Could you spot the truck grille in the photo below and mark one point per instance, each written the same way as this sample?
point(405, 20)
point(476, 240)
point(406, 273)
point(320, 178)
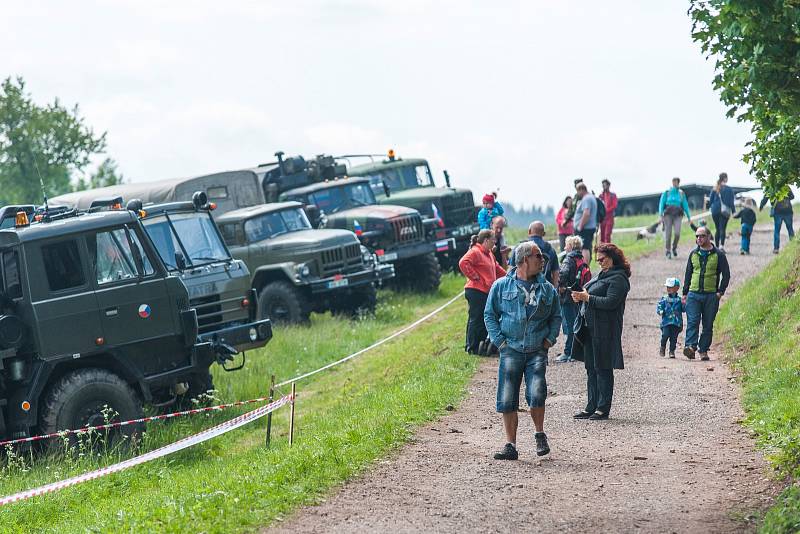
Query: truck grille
point(458, 209)
point(340, 260)
point(215, 314)
point(408, 229)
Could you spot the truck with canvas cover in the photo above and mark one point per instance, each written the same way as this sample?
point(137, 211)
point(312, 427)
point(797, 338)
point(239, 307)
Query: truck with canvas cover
point(296, 269)
point(92, 324)
point(409, 182)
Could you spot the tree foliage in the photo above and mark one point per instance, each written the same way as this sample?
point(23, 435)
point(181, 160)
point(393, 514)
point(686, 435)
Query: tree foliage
point(50, 142)
point(105, 175)
point(756, 48)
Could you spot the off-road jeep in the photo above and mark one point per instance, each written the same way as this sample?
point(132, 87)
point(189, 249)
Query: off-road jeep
point(397, 234)
point(90, 318)
point(409, 182)
point(296, 269)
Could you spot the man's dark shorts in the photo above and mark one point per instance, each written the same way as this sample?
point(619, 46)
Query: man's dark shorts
point(587, 234)
point(513, 365)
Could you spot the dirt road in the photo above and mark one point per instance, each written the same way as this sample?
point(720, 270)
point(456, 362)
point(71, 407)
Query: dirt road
point(671, 459)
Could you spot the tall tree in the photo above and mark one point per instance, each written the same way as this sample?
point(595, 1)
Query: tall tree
point(756, 48)
point(46, 143)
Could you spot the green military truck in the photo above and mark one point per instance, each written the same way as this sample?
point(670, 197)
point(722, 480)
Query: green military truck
point(92, 324)
point(296, 269)
point(396, 234)
point(409, 182)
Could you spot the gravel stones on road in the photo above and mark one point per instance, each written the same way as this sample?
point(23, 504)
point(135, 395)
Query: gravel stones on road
point(672, 458)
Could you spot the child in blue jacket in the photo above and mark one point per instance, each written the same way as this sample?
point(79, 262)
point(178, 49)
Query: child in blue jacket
point(671, 309)
point(491, 209)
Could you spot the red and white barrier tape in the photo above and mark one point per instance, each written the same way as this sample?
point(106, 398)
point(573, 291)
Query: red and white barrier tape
point(86, 429)
point(184, 443)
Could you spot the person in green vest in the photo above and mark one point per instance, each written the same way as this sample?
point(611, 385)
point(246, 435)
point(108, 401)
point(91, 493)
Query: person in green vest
point(707, 278)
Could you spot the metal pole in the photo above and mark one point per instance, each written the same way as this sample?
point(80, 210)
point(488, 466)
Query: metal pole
point(269, 415)
point(291, 416)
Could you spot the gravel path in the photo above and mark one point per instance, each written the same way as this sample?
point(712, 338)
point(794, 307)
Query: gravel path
point(671, 459)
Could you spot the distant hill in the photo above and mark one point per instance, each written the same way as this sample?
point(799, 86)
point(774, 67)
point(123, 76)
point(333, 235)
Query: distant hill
point(522, 217)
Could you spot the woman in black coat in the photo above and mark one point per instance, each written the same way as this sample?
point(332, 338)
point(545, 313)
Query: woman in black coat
point(602, 309)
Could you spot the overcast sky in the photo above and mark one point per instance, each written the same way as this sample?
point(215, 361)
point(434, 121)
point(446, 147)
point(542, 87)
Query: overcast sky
point(520, 97)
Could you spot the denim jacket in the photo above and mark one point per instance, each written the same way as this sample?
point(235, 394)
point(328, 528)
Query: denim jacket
point(506, 319)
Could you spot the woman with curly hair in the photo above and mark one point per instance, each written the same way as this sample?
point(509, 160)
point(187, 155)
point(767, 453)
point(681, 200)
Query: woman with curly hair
point(598, 328)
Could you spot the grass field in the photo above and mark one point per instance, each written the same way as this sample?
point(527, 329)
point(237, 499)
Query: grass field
point(761, 326)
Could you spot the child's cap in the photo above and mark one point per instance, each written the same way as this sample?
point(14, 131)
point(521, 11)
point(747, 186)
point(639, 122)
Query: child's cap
point(488, 198)
point(672, 282)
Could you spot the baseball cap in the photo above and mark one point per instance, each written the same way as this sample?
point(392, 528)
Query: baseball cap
point(672, 282)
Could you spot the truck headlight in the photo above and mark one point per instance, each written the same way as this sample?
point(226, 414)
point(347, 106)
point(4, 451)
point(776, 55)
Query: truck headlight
point(302, 270)
point(253, 334)
point(366, 255)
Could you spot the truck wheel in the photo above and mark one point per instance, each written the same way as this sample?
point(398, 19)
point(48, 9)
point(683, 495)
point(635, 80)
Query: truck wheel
point(79, 398)
point(421, 274)
point(359, 303)
point(281, 303)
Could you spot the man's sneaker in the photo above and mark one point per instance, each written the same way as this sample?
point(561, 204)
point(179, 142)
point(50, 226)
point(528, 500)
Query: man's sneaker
point(662, 351)
point(775, 251)
point(542, 447)
point(562, 358)
point(668, 255)
point(741, 252)
point(672, 354)
point(704, 356)
point(509, 452)
point(688, 352)
point(674, 252)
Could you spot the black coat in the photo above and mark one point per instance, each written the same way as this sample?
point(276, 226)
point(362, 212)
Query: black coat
point(604, 311)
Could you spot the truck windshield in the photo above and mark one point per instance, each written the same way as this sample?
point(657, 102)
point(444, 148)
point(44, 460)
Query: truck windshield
point(343, 197)
point(192, 234)
point(276, 223)
point(401, 178)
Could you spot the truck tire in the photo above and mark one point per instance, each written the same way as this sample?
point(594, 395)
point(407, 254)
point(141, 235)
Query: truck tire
point(282, 303)
point(78, 399)
point(421, 274)
point(359, 303)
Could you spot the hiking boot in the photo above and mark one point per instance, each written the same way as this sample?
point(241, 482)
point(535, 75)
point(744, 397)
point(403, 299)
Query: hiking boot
point(562, 358)
point(674, 252)
point(662, 351)
point(509, 452)
point(542, 447)
point(668, 255)
point(689, 352)
point(704, 356)
point(672, 354)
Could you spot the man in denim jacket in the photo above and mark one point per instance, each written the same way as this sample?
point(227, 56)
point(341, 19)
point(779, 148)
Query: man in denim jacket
point(523, 317)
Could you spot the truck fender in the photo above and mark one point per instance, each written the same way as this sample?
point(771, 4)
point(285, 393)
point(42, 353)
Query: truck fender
point(265, 274)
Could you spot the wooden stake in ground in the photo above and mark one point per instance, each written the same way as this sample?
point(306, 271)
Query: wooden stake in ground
point(269, 415)
point(291, 415)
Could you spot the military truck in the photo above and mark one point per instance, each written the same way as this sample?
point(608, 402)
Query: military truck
point(409, 182)
point(92, 324)
point(396, 234)
point(296, 269)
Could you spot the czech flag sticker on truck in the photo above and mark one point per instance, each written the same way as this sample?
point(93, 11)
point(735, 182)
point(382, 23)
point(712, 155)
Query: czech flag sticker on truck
point(144, 311)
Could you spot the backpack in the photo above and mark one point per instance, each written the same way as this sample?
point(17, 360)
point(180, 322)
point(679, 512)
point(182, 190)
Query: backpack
point(783, 206)
point(582, 274)
point(601, 209)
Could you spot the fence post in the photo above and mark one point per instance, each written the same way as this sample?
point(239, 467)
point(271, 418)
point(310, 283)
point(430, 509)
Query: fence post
point(291, 415)
point(269, 415)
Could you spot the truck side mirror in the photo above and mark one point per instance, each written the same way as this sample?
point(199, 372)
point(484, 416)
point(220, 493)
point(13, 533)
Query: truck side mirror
point(386, 190)
point(180, 260)
point(313, 213)
point(447, 178)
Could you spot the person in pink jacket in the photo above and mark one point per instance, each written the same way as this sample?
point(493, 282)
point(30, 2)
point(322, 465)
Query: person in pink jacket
point(564, 230)
point(481, 270)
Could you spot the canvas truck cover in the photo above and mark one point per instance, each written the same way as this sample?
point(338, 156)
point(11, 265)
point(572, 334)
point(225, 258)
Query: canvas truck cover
point(229, 190)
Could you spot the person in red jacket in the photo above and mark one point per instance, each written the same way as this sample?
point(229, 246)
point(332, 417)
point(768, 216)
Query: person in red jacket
point(610, 202)
point(481, 270)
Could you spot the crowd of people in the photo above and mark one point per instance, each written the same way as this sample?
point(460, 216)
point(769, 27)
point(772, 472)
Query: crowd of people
point(520, 299)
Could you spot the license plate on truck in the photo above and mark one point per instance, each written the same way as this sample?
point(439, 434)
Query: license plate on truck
point(333, 284)
point(388, 257)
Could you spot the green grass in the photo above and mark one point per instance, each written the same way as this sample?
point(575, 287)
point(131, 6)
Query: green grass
point(346, 419)
point(761, 326)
